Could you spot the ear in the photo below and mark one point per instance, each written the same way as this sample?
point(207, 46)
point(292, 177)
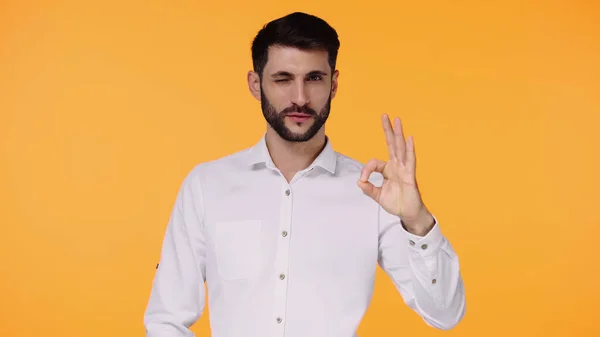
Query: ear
point(334, 83)
point(254, 84)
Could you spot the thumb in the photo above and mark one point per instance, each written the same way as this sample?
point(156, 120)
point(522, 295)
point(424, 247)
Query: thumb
point(374, 165)
point(369, 189)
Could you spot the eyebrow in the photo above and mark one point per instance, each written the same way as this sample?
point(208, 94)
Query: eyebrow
point(287, 74)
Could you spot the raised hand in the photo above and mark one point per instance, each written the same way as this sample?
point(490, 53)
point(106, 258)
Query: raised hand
point(399, 194)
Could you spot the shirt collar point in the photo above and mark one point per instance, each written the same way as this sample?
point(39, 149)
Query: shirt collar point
point(258, 154)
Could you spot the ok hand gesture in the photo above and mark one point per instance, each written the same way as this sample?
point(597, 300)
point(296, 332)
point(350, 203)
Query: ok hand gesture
point(399, 194)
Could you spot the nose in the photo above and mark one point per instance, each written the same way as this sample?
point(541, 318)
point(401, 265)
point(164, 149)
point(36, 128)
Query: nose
point(299, 95)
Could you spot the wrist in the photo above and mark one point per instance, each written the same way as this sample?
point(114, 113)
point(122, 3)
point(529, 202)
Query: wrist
point(419, 225)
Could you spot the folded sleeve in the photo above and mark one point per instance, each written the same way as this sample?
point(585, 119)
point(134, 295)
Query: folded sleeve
point(177, 298)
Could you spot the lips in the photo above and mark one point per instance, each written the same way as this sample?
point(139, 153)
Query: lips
point(299, 117)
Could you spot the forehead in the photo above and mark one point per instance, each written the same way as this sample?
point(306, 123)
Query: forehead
point(296, 61)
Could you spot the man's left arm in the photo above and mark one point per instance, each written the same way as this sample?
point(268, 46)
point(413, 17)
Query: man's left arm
point(413, 251)
point(424, 267)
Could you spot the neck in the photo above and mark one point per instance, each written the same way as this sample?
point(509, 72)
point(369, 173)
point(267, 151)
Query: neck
point(291, 157)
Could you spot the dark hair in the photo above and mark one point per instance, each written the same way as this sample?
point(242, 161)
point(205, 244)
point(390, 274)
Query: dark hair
point(299, 30)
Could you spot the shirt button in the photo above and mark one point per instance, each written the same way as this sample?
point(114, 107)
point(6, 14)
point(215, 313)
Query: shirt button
point(434, 281)
point(412, 243)
point(279, 320)
point(281, 276)
point(284, 234)
point(424, 247)
point(287, 192)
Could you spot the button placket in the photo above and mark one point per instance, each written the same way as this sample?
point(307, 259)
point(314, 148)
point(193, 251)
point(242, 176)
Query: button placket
point(282, 260)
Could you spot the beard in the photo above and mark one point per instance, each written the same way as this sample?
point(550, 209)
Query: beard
point(277, 119)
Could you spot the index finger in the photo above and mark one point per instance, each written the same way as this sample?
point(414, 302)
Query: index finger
point(374, 165)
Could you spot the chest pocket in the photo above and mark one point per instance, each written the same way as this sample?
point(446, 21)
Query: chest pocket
point(238, 248)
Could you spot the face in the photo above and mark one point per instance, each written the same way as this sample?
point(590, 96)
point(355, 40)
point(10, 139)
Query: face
point(295, 92)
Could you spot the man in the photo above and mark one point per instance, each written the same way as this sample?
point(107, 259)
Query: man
point(287, 234)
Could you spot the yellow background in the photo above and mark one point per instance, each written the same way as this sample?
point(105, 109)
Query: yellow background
point(106, 105)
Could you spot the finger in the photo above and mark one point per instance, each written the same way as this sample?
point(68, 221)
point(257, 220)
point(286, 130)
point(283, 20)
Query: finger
point(399, 140)
point(411, 159)
point(373, 165)
point(370, 190)
point(389, 135)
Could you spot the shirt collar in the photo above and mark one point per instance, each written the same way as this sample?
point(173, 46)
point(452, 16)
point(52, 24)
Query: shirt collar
point(259, 154)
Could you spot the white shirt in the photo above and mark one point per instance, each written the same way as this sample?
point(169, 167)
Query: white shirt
point(291, 260)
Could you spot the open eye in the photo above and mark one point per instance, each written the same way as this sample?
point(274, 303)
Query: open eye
point(314, 78)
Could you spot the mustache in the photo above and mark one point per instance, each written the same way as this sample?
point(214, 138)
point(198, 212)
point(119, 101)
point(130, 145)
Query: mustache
point(298, 109)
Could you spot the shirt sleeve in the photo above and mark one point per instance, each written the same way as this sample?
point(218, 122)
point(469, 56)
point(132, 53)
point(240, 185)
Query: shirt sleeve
point(425, 270)
point(177, 298)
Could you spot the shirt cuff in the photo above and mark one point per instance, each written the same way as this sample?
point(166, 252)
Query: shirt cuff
point(426, 245)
